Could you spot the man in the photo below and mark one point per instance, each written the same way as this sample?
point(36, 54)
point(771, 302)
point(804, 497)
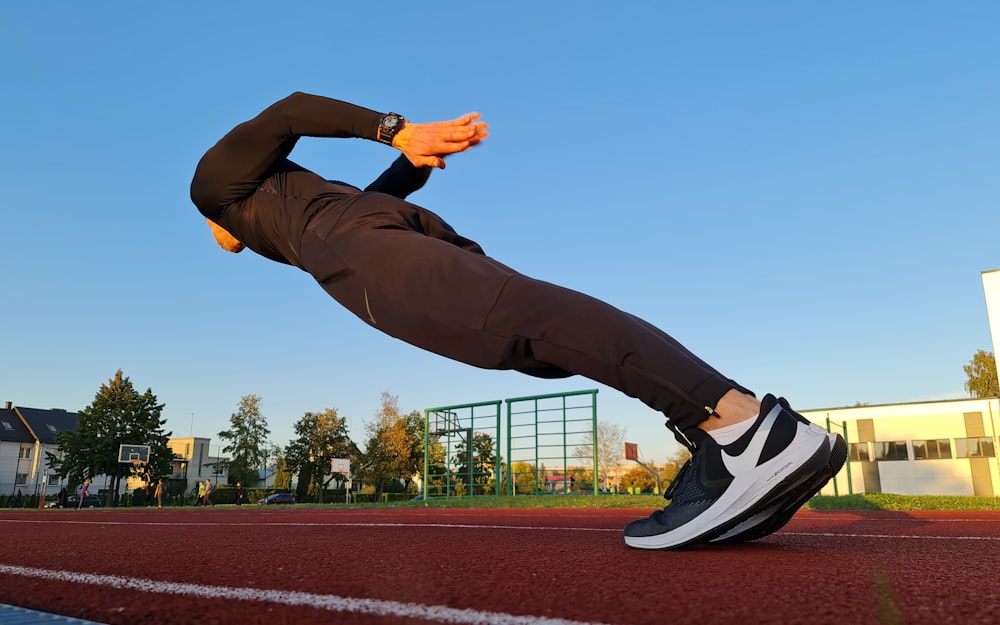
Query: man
point(401, 269)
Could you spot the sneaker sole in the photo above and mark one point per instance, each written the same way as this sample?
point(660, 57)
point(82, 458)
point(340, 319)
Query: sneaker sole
point(749, 494)
point(777, 516)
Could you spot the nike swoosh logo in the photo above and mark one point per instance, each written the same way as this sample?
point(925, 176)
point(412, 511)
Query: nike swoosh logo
point(747, 461)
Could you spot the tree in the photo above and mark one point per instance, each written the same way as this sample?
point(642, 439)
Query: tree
point(248, 444)
point(525, 478)
point(321, 437)
point(674, 464)
point(118, 415)
point(639, 479)
point(475, 471)
point(610, 449)
point(282, 474)
point(982, 375)
point(438, 472)
point(273, 465)
point(394, 449)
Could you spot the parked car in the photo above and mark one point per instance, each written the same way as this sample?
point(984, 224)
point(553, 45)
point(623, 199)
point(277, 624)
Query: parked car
point(276, 498)
point(73, 501)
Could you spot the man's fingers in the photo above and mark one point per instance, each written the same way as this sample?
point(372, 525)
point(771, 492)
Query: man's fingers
point(425, 144)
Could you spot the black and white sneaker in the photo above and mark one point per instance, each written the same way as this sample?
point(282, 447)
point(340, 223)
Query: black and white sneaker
point(777, 515)
point(723, 485)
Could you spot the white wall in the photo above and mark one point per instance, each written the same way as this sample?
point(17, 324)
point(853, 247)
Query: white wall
point(991, 287)
point(8, 466)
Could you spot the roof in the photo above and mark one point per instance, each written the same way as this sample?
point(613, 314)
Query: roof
point(45, 423)
point(561, 478)
point(23, 425)
point(12, 429)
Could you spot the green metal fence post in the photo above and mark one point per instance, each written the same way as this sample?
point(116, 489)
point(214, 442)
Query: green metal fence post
point(850, 485)
point(593, 427)
point(836, 492)
point(427, 454)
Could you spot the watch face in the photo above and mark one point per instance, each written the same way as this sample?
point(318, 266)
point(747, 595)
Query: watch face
point(389, 125)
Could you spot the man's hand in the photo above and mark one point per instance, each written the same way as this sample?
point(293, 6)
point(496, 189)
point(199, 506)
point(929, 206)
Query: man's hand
point(426, 145)
point(225, 240)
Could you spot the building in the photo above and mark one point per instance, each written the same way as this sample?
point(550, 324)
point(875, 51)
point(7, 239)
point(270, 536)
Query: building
point(991, 287)
point(193, 462)
point(26, 434)
point(930, 448)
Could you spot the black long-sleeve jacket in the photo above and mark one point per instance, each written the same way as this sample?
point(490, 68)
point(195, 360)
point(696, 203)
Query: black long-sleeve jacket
point(247, 185)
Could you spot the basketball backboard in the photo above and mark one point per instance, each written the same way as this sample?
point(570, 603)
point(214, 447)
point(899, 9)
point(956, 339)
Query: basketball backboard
point(131, 453)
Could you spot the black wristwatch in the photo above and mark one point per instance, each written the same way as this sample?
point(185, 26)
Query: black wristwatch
point(389, 126)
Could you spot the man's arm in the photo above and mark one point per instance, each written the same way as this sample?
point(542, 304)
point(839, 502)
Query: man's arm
point(424, 147)
point(401, 179)
point(236, 166)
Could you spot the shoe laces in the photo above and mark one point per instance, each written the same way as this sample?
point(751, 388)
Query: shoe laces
point(668, 494)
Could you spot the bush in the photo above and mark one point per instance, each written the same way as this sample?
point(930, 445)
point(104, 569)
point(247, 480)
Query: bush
point(10, 501)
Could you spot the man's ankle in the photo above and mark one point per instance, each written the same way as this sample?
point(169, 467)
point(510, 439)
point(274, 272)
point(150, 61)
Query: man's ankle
point(733, 407)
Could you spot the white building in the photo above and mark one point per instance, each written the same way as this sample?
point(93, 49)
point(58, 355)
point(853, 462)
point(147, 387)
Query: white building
point(194, 463)
point(26, 434)
point(931, 448)
point(991, 287)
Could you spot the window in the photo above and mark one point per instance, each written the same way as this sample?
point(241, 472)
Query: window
point(859, 452)
point(932, 449)
point(51, 427)
point(21, 478)
point(891, 450)
point(981, 447)
point(25, 453)
point(6, 425)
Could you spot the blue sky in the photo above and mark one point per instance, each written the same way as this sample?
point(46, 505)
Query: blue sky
point(804, 194)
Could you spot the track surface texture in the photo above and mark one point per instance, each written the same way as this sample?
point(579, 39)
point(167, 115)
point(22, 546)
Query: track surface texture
point(509, 566)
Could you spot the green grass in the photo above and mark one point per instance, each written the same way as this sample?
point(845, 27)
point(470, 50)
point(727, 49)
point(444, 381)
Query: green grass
point(879, 501)
point(849, 502)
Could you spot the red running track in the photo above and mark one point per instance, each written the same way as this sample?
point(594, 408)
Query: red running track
point(511, 566)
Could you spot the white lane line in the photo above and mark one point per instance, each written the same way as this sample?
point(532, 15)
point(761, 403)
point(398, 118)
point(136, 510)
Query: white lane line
point(470, 526)
point(914, 519)
point(901, 536)
point(333, 603)
point(342, 524)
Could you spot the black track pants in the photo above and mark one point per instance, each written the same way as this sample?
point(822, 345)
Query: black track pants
point(403, 270)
